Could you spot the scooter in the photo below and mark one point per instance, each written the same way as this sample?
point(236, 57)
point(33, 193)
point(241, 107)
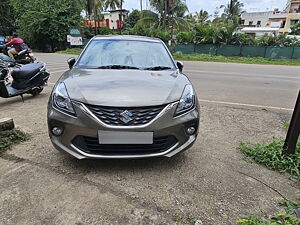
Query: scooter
point(23, 57)
point(28, 79)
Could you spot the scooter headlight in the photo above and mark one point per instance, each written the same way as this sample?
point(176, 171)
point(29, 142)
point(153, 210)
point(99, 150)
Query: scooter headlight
point(61, 99)
point(187, 101)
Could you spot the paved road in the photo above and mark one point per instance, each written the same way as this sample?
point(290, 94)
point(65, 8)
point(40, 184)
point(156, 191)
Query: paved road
point(211, 182)
point(263, 85)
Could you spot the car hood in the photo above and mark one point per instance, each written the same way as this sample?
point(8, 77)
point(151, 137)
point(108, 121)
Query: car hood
point(125, 88)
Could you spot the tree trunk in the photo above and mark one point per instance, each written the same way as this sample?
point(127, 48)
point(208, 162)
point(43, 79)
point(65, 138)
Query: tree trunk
point(95, 19)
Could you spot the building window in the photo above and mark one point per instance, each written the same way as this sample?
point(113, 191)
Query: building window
point(259, 23)
point(250, 23)
point(242, 22)
point(293, 22)
point(283, 24)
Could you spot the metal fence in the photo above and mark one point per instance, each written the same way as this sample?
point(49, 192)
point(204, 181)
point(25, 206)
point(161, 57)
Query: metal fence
point(243, 51)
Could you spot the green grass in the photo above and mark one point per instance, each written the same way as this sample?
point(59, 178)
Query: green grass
point(271, 156)
point(10, 137)
point(71, 51)
point(245, 60)
point(213, 58)
point(288, 217)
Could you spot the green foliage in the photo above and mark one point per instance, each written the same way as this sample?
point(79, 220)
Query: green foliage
point(45, 23)
point(295, 29)
point(7, 21)
point(71, 51)
point(233, 11)
point(271, 155)
point(112, 4)
point(186, 37)
point(201, 17)
point(132, 19)
point(288, 217)
point(10, 137)
point(286, 125)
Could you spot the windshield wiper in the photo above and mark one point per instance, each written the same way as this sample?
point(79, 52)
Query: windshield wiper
point(158, 68)
point(118, 67)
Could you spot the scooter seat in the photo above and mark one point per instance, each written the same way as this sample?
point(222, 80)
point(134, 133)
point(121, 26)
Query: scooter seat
point(27, 71)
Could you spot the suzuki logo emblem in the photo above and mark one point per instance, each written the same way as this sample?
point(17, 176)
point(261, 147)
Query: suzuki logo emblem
point(126, 116)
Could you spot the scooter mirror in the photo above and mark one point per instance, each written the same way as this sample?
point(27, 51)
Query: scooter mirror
point(71, 62)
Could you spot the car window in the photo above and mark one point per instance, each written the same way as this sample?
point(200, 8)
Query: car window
point(2, 38)
point(140, 54)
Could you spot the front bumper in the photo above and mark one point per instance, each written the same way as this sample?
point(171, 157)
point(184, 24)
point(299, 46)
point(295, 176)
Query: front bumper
point(85, 124)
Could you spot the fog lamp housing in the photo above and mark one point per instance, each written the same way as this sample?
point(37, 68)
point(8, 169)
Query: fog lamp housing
point(191, 130)
point(57, 131)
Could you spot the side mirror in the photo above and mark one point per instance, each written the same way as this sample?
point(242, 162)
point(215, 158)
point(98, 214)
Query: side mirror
point(180, 66)
point(71, 62)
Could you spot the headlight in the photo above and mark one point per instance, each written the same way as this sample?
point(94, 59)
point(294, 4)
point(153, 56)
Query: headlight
point(61, 99)
point(187, 101)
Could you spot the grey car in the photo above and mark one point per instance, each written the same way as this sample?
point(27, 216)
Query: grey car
point(124, 97)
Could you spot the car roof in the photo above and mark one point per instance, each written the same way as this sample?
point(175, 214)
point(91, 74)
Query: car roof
point(126, 37)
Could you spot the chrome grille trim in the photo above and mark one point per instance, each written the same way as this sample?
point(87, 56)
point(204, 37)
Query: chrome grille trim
point(94, 117)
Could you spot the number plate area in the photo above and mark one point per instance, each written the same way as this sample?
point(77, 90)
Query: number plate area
point(125, 137)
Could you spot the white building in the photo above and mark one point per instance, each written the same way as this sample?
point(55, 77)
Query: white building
point(268, 23)
point(257, 19)
point(112, 18)
point(262, 23)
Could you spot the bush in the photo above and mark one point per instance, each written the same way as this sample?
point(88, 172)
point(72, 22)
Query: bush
point(271, 155)
point(10, 137)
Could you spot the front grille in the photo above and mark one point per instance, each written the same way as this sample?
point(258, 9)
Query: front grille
point(91, 145)
point(123, 116)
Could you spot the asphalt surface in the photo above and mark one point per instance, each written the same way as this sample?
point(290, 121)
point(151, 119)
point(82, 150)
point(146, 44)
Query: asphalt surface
point(211, 182)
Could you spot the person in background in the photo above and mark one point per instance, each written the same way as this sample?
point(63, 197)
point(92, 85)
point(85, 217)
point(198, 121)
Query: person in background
point(16, 42)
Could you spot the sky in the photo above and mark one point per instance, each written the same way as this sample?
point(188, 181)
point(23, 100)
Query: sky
point(210, 5)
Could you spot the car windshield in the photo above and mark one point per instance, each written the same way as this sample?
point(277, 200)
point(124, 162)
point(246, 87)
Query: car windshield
point(125, 54)
point(2, 38)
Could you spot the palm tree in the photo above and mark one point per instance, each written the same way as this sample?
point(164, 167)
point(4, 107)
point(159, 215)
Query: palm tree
point(112, 4)
point(233, 10)
point(179, 9)
point(167, 14)
point(92, 7)
point(201, 17)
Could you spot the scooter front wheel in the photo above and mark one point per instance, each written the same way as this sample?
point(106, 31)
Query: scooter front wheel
point(36, 91)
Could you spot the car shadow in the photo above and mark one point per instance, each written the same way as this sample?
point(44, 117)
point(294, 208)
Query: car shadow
point(129, 165)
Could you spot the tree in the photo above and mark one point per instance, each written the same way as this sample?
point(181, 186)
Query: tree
point(112, 4)
point(7, 21)
point(132, 19)
point(165, 16)
point(92, 7)
point(295, 29)
point(233, 11)
point(46, 23)
point(201, 17)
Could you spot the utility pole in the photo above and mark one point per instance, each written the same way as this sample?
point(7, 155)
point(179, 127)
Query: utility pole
point(121, 16)
point(141, 5)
